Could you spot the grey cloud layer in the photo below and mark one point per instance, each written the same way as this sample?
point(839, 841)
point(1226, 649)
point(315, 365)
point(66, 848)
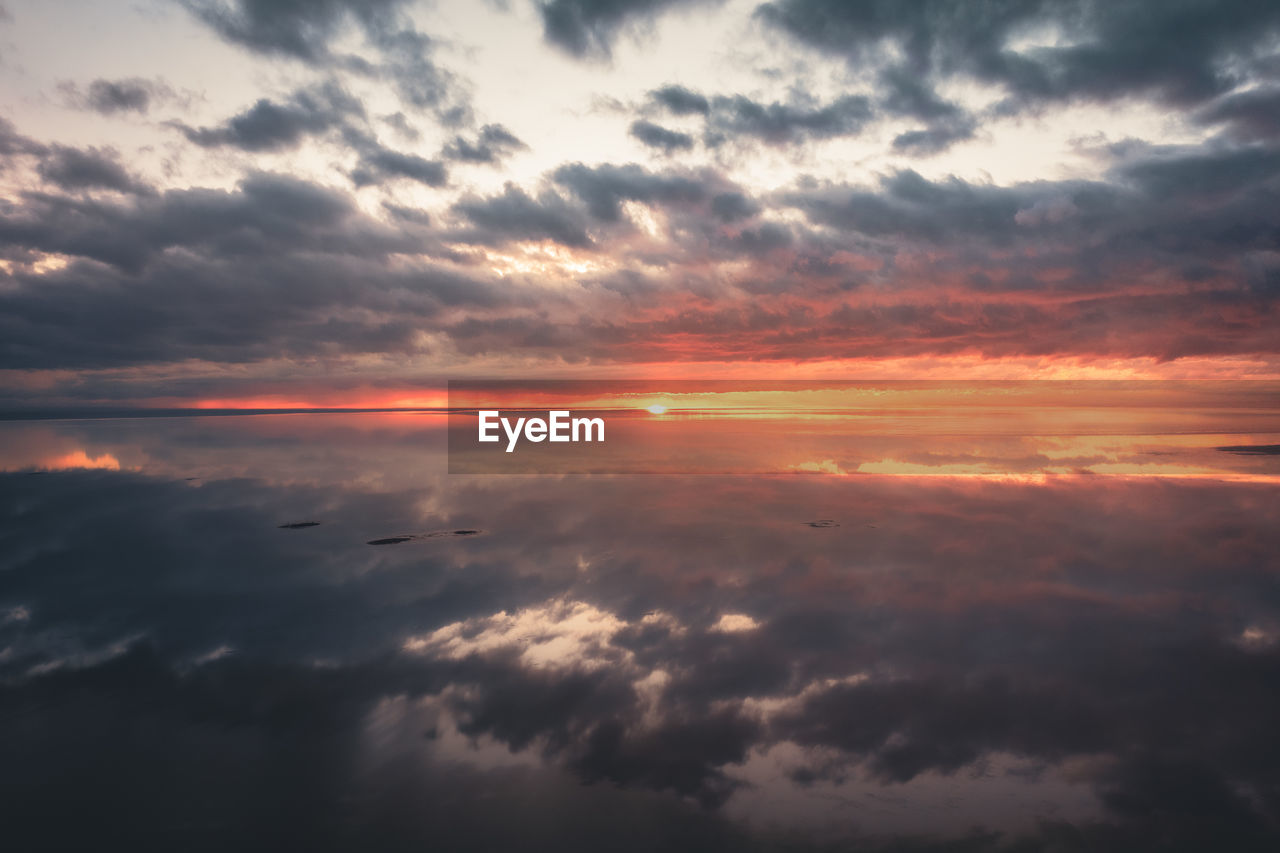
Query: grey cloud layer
point(1181, 53)
point(1184, 55)
point(1169, 253)
point(1196, 226)
point(320, 273)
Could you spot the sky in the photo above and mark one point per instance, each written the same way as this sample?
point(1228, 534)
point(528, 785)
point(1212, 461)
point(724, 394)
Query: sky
point(348, 202)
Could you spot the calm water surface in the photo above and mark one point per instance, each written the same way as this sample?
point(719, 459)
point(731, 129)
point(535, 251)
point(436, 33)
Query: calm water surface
point(881, 639)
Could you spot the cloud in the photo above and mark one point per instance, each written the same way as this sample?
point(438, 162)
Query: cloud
point(932, 140)
point(493, 144)
point(1181, 54)
point(1165, 259)
point(732, 206)
point(514, 215)
point(420, 82)
point(66, 167)
point(1249, 115)
point(307, 32)
point(1167, 254)
point(777, 123)
point(656, 136)
point(112, 97)
point(299, 30)
point(272, 126)
point(14, 144)
point(802, 118)
point(604, 188)
point(162, 278)
point(945, 121)
point(589, 28)
point(681, 101)
point(92, 168)
point(378, 164)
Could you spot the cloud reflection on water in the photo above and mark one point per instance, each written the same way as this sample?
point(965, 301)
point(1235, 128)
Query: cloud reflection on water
point(1084, 662)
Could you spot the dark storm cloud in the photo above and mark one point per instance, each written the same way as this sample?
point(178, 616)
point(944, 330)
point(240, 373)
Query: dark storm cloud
point(418, 79)
point(945, 121)
point(909, 95)
point(14, 144)
point(1251, 115)
point(265, 207)
point(934, 139)
point(514, 215)
point(400, 123)
point(588, 28)
point(272, 126)
point(1180, 53)
point(1195, 227)
point(1170, 256)
point(299, 29)
point(69, 168)
point(1189, 202)
point(732, 206)
point(493, 144)
point(803, 119)
point(110, 97)
point(902, 94)
point(657, 136)
point(908, 205)
point(1203, 173)
point(310, 255)
point(777, 123)
point(378, 164)
point(762, 239)
point(681, 101)
point(305, 31)
point(604, 188)
point(176, 311)
point(92, 168)
point(407, 214)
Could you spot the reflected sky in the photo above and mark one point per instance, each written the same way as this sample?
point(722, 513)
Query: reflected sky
point(869, 658)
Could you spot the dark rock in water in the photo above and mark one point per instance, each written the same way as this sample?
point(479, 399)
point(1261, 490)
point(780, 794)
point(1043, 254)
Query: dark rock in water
point(396, 540)
point(390, 540)
point(1252, 449)
point(823, 522)
point(298, 525)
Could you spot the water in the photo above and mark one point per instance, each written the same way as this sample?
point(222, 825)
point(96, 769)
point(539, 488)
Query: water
point(976, 634)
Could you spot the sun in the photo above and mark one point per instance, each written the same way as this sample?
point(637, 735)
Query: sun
point(658, 409)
